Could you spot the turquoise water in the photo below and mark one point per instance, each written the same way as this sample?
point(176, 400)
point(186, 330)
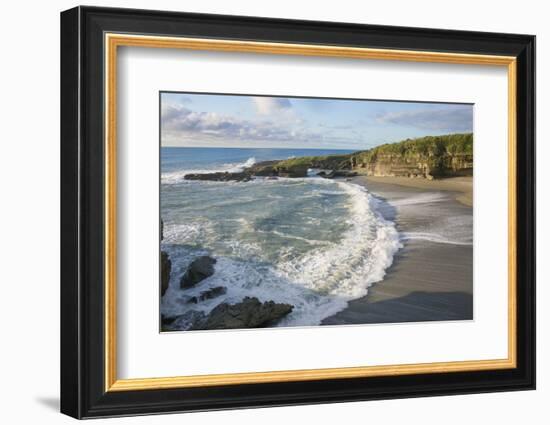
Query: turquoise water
point(311, 242)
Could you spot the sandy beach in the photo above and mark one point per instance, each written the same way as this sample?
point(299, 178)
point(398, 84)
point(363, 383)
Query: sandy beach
point(431, 277)
point(462, 186)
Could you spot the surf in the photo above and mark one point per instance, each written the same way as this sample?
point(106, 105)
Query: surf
point(320, 246)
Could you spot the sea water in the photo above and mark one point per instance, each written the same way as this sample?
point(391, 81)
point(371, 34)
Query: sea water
point(310, 242)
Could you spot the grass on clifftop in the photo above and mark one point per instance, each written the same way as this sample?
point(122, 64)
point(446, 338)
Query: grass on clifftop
point(433, 147)
point(429, 146)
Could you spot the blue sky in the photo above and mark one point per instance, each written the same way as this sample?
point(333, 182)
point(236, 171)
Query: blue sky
point(204, 120)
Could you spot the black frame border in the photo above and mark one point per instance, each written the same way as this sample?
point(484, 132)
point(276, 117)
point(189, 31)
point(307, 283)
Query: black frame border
point(82, 204)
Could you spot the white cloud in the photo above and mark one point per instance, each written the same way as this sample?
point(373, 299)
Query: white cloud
point(271, 105)
point(457, 118)
point(179, 122)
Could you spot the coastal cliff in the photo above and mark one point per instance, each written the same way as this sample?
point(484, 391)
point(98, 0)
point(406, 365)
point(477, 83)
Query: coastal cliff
point(426, 157)
point(429, 157)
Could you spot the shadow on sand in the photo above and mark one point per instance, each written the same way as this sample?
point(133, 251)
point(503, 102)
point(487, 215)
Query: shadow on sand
point(418, 306)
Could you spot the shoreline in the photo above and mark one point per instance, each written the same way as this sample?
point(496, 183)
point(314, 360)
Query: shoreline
point(462, 185)
point(428, 280)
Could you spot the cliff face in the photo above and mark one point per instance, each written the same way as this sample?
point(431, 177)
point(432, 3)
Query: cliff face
point(416, 166)
point(429, 157)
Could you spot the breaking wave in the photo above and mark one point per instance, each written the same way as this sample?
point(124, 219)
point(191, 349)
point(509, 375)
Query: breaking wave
point(175, 177)
point(316, 254)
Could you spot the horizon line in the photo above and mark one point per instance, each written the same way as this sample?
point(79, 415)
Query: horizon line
point(246, 147)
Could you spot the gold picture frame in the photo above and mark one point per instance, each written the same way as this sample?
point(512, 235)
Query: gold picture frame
point(114, 41)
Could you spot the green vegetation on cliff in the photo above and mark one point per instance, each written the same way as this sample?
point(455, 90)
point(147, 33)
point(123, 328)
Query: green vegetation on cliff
point(429, 146)
point(429, 157)
point(308, 160)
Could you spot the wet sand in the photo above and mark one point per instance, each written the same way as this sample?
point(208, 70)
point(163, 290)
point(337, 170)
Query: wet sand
point(428, 281)
point(461, 185)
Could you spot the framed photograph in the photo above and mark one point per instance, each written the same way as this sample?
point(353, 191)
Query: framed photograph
point(261, 212)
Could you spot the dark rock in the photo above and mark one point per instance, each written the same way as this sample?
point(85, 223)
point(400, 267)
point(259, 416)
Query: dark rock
point(337, 173)
point(266, 171)
point(165, 320)
point(220, 176)
point(165, 269)
point(293, 172)
point(277, 169)
point(250, 313)
point(198, 270)
point(209, 294)
point(263, 169)
point(185, 321)
point(344, 173)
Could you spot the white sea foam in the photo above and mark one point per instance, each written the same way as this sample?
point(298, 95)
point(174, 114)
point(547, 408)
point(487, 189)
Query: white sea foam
point(423, 198)
point(240, 167)
point(187, 232)
point(422, 213)
point(299, 238)
point(332, 192)
point(345, 271)
point(432, 237)
point(318, 283)
point(175, 177)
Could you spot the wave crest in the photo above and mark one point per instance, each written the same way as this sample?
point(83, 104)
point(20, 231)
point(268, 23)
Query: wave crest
point(318, 281)
point(175, 177)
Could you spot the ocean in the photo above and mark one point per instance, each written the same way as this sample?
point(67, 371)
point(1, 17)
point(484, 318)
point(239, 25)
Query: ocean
point(311, 242)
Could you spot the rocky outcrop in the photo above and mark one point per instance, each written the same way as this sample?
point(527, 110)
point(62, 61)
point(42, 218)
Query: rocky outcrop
point(208, 294)
point(249, 313)
point(220, 176)
point(165, 322)
point(418, 166)
point(262, 169)
point(427, 157)
point(337, 173)
point(293, 172)
point(198, 270)
point(182, 322)
point(165, 270)
point(165, 265)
